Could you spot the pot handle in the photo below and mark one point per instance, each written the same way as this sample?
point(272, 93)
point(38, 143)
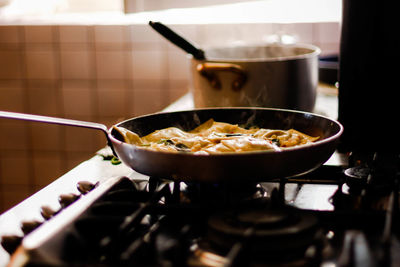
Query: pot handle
point(209, 69)
point(60, 121)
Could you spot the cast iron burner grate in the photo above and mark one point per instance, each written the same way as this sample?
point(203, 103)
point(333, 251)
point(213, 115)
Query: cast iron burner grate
point(157, 222)
point(165, 223)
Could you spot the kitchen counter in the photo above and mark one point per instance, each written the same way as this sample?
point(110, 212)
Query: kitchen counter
point(96, 169)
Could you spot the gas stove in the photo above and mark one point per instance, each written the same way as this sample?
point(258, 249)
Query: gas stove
point(344, 213)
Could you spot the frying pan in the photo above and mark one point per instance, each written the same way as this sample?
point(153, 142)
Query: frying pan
point(227, 167)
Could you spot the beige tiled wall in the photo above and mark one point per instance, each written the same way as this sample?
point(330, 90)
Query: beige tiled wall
point(102, 73)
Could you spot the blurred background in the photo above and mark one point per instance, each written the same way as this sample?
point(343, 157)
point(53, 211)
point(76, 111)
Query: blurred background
point(100, 61)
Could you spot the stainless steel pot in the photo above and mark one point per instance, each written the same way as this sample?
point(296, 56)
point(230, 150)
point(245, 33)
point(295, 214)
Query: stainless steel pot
point(274, 76)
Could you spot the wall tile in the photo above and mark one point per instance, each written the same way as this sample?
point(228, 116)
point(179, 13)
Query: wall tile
point(76, 47)
point(12, 96)
point(149, 46)
point(39, 34)
point(143, 33)
point(328, 49)
point(298, 32)
point(177, 88)
point(112, 98)
point(130, 95)
point(108, 121)
point(14, 168)
point(43, 98)
point(47, 167)
point(76, 65)
point(100, 140)
point(148, 96)
point(47, 137)
point(263, 31)
point(303, 32)
point(111, 34)
point(11, 195)
point(74, 34)
point(80, 139)
point(217, 35)
point(149, 65)
point(11, 65)
point(247, 34)
point(327, 32)
point(147, 101)
point(112, 64)
point(16, 135)
point(39, 47)
point(9, 34)
point(178, 65)
point(41, 65)
point(77, 98)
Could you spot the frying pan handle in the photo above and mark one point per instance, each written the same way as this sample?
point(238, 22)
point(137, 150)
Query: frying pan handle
point(54, 120)
point(208, 70)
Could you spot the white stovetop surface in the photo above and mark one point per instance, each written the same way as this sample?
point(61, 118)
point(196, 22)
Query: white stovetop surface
point(93, 170)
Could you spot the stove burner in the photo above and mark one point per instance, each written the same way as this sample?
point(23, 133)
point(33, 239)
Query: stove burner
point(356, 177)
point(265, 219)
point(358, 172)
point(271, 231)
point(369, 181)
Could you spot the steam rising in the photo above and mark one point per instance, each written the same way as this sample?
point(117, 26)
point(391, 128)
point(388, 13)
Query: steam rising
point(270, 52)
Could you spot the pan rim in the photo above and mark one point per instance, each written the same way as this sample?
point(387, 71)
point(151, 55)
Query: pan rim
point(232, 154)
point(314, 52)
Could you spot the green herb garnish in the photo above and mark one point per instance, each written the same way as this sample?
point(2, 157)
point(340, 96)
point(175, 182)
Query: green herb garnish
point(115, 161)
point(182, 147)
point(145, 145)
point(166, 142)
